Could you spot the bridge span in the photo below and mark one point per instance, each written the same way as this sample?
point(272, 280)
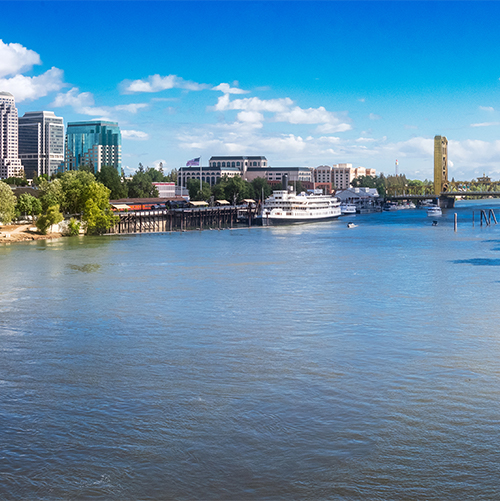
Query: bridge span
point(446, 199)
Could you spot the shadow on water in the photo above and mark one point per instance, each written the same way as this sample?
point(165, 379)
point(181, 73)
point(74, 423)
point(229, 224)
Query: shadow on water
point(84, 268)
point(478, 262)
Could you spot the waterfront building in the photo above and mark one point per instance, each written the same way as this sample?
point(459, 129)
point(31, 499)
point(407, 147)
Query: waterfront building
point(210, 175)
point(440, 164)
point(41, 143)
point(343, 174)
point(94, 143)
point(239, 162)
point(10, 163)
point(170, 190)
point(274, 175)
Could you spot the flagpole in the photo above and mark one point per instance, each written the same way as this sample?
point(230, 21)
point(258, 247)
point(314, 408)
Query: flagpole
point(201, 188)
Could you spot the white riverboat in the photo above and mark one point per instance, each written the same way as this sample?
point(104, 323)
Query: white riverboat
point(347, 209)
point(434, 211)
point(285, 207)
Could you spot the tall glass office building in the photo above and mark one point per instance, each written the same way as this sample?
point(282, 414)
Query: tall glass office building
point(95, 144)
point(41, 143)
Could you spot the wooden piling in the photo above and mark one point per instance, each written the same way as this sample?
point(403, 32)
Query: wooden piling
point(456, 222)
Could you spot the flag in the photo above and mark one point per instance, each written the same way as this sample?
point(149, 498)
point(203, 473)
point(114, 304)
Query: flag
point(195, 162)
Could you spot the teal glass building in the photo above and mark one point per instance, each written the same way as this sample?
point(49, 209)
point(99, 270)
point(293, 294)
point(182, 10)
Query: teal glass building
point(95, 143)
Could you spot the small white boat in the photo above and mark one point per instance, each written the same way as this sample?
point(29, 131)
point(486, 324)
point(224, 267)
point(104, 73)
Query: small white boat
point(348, 209)
point(434, 211)
point(351, 225)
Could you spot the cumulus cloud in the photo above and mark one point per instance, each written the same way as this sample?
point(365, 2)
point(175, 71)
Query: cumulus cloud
point(157, 83)
point(136, 135)
point(251, 117)
point(227, 89)
point(25, 88)
point(84, 103)
point(14, 58)
point(253, 104)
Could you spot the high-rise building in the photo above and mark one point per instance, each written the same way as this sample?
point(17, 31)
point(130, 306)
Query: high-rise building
point(440, 164)
point(41, 143)
point(95, 144)
point(10, 163)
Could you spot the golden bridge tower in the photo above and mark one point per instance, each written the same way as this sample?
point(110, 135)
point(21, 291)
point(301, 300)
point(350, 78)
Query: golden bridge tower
point(440, 164)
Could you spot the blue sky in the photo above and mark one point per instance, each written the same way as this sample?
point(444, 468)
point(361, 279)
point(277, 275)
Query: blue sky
point(303, 83)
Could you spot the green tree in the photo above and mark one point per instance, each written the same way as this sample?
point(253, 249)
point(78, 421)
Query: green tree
point(53, 216)
point(29, 205)
point(237, 189)
point(140, 186)
point(16, 181)
point(51, 193)
point(193, 186)
point(110, 178)
point(97, 215)
point(7, 203)
point(74, 186)
point(260, 185)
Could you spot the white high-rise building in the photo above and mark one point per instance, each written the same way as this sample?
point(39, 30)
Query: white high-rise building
point(41, 143)
point(10, 163)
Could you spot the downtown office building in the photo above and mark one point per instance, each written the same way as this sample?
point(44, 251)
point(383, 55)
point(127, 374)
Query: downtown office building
point(41, 143)
point(10, 163)
point(95, 143)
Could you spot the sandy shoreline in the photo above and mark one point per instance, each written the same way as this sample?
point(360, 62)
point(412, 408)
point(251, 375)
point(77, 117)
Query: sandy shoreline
point(23, 233)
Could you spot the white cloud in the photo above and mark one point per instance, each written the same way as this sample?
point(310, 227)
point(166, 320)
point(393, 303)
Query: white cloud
point(14, 58)
point(365, 140)
point(485, 124)
point(157, 83)
point(361, 99)
point(253, 104)
point(131, 108)
point(30, 88)
point(331, 128)
point(83, 102)
point(227, 89)
point(136, 135)
point(487, 108)
point(299, 115)
point(374, 116)
point(251, 117)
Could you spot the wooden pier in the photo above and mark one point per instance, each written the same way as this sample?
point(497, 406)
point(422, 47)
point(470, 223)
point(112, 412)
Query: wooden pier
point(157, 221)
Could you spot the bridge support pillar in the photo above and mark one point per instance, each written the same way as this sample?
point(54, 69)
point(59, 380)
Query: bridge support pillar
point(446, 202)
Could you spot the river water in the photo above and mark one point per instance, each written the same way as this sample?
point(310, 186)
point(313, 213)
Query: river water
point(306, 362)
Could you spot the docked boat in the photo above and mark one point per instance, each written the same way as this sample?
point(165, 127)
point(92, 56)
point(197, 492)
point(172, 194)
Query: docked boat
point(348, 209)
point(288, 207)
point(434, 211)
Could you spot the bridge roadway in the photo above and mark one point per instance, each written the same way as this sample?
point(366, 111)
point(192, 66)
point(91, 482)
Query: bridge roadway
point(446, 199)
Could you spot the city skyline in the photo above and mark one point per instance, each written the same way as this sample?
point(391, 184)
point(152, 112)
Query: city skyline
point(302, 83)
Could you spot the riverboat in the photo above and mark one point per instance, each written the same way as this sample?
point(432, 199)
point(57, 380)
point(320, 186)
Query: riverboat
point(434, 211)
point(288, 207)
point(347, 209)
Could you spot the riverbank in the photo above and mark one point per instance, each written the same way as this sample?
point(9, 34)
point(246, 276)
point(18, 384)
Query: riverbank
point(23, 233)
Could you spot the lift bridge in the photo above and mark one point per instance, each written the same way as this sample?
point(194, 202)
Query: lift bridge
point(450, 191)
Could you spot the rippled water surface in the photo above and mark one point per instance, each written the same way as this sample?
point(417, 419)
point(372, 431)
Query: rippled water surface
point(305, 362)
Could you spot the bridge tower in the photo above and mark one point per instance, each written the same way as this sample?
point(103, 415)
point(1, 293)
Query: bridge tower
point(440, 164)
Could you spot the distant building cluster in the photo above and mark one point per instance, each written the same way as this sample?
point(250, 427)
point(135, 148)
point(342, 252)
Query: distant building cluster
point(329, 178)
point(36, 144)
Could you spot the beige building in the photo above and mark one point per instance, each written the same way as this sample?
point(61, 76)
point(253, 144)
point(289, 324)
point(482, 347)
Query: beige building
point(440, 164)
point(10, 163)
point(343, 174)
